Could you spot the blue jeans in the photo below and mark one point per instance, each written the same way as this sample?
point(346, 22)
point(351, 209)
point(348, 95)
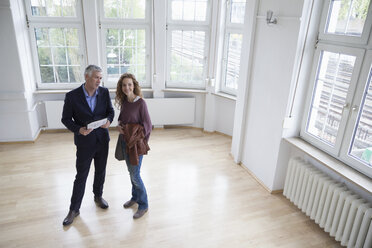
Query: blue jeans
point(139, 194)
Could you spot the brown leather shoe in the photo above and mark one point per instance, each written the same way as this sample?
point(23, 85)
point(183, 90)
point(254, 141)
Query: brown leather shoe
point(140, 213)
point(101, 202)
point(129, 203)
point(70, 217)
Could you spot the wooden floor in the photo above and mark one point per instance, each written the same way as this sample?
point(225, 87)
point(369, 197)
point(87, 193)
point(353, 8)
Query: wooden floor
point(198, 197)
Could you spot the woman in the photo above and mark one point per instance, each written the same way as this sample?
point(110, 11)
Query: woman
point(133, 110)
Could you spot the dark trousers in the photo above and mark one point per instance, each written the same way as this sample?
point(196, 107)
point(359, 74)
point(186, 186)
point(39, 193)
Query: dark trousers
point(84, 156)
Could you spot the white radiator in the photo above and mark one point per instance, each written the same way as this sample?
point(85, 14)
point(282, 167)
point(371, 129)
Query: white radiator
point(342, 213)
point(163, 111)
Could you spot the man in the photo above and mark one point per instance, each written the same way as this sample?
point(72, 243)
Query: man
point(83, 105)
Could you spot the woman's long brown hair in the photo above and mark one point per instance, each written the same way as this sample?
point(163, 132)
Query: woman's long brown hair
point(120, 96)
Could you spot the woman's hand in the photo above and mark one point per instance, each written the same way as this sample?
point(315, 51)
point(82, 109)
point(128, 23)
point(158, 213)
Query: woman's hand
point(120, 129)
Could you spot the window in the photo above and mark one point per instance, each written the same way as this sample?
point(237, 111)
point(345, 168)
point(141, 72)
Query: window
point(187, 39)
point(346, 20)
point(57, 42)
point(125, 35)
point(67, 35)
point(234, 24)
point(338, 117)
point(358, 133)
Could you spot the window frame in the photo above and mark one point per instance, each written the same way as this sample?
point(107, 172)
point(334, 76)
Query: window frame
point(56, 22)
point(353, 118)
point(130, 23)
point(359, 54)
point(78, 18)
point(111, 84)
point(229, 28)
point(344, 38)
point(134, 21)
point(172, 84)
point(184, 22)
point(173, 25)
point(224, 60)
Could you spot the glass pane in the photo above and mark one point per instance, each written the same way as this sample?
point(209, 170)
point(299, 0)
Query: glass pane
point(187, 54)
point(75, 74)
point(73, 56)
point(59, 55)
point(45, 56)
point(57, 48)
point(141, 74)
point(361, 146)
point(54, 8)
point(72, 38)
point(347, 17)
point(125, 9)
point(175, 71)
point(233, 61)
point(57, 37)
point(69, 8)
point(125, 52)
point(329, 95)
point(189, 10)
point(110, 9)
point(62, 74)
point(127, 57)
point(46, 73)
point(38, 8)
point(113, 56)
point(237, 11)
point(113, 72)
point(177, 7)
point(200, 11)
point(42, 36)
point(112, 37)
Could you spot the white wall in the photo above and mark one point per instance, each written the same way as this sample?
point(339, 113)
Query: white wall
point(268, 86)
point(18, 111)
point(224, 115)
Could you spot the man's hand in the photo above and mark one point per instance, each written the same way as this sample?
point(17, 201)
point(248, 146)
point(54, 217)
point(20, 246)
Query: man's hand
point(84, 131)
point(106, 125)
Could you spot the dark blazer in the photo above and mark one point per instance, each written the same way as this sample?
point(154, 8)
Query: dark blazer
point(77, 113)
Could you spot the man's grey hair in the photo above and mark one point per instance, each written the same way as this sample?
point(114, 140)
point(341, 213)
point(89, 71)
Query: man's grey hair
point(91, 68)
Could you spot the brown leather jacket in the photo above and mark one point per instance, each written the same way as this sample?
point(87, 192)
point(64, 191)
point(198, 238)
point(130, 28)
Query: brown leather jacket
point(135, 141)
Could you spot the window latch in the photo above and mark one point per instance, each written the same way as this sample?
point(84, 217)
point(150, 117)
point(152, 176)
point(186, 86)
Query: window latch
point(27, 22)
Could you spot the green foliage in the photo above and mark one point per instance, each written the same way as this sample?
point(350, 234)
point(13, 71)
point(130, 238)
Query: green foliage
point(46, 74)
point(359, 9)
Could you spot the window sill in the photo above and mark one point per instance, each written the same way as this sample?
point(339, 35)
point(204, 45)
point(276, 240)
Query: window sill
point(52, 91)
point(224, 95)
point(330, 162)
point(111, 90)
point(185, 90)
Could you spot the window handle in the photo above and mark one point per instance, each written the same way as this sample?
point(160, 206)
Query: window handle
point(355, 108)
point(346, 105)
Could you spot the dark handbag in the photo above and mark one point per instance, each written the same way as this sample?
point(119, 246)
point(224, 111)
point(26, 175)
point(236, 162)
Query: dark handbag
point(119, 150)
